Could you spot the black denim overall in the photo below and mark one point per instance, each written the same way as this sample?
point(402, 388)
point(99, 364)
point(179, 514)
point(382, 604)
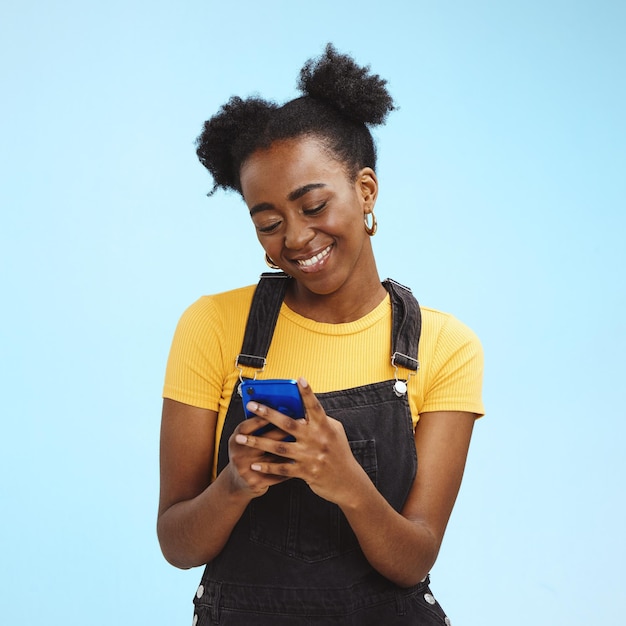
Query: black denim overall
point(292, 558)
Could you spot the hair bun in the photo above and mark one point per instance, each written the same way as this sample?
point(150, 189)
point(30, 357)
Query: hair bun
point(351, 89)
point(225, 136)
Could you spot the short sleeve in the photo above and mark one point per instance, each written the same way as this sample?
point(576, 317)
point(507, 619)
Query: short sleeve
point(194, 372)
point(455, 371)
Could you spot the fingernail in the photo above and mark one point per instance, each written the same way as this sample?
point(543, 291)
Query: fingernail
point(241, 439)
point(253, 406)
point(303, 382)
point(256, 467)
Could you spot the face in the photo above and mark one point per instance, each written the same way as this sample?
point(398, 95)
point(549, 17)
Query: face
point(309, 214)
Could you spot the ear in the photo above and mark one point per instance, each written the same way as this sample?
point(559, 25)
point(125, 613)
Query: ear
point(367, 188)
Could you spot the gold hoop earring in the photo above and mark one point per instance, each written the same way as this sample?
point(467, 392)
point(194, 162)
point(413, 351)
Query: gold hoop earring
point(270, 263)
point(370, 229)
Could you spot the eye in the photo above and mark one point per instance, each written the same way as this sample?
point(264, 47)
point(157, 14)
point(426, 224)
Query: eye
point(269, 228)
point(315, 210)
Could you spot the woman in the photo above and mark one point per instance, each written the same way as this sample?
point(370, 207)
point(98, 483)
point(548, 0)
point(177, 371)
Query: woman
point(336, 526)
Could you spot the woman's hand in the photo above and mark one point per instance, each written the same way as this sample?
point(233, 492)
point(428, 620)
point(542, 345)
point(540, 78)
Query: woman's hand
point(196, 516)
point(242, 458)
point(321, 454)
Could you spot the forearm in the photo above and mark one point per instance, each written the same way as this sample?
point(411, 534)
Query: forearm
point(400, 549)
point(193, 532)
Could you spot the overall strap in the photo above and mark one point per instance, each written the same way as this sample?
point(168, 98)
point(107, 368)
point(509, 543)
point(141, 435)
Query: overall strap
point(266, 302)
point(264, 309)
point(268, 298)
point(406, 320)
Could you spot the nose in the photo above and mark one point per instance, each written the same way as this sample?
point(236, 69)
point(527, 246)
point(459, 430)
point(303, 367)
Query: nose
point(297, 234)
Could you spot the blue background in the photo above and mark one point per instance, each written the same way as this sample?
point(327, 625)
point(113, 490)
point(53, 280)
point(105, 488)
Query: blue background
point(502, 200)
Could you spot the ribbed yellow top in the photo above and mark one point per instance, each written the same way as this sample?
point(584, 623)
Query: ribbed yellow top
point(201, 366)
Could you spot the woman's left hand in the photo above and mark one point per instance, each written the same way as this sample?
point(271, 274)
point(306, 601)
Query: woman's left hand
point(321, 454)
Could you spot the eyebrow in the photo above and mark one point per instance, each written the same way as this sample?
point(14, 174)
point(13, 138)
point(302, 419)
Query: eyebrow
point(296, 194)
point(301, 191)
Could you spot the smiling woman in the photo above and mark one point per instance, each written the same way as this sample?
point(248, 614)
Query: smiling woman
point(304, 207)
point(322, 520)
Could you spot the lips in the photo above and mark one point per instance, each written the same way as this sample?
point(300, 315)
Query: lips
point(315, 259)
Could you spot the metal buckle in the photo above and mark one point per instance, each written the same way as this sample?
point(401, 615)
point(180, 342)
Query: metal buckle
point(395, 282)
point(406, 356)
point(256, 371)
point(401, 386)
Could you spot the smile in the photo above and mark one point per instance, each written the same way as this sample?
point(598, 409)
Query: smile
point(315, 258)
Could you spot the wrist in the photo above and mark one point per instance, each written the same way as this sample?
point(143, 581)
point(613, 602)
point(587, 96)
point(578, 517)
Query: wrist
point(360, 492)
point(240, 490)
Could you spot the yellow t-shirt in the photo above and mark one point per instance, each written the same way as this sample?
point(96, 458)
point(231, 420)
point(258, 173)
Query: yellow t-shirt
point(201, 366)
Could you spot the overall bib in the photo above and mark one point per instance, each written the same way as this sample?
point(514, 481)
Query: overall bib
point(292, 559)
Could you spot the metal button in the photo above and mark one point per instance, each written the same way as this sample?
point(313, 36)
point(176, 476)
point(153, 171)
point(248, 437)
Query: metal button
point(399, 388)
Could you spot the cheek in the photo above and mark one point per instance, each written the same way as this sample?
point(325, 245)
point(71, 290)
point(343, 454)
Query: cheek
point(271, 245)
point(351, 218)
point(265, 244)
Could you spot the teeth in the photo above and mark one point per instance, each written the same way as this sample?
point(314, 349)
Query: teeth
point(315, 259)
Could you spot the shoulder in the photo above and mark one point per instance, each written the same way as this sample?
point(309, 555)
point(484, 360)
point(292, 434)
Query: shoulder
point(451, 362)
point(218, 308)
point(445, 330)
point(447, 344)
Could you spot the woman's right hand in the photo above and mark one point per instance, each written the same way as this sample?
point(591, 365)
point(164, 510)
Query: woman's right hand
point(242, 457)
point(196, 516)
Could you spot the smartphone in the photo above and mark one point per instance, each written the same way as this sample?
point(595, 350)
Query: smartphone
point(279, 394)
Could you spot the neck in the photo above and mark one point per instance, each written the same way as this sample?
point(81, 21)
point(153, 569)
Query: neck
point(346, 305)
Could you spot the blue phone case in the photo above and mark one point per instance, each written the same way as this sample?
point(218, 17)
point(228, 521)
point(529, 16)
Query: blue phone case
point(279, 394)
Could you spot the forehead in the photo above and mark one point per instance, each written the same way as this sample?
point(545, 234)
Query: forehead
point(287, 165)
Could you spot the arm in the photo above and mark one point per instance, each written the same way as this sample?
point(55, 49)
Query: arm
point(409, 545)
point(408, 548)
point(196, 516)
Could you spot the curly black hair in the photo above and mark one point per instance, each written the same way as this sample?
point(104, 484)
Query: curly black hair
point(340, 101)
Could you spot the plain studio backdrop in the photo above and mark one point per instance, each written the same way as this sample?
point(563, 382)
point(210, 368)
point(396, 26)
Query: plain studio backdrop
point(502, 200)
